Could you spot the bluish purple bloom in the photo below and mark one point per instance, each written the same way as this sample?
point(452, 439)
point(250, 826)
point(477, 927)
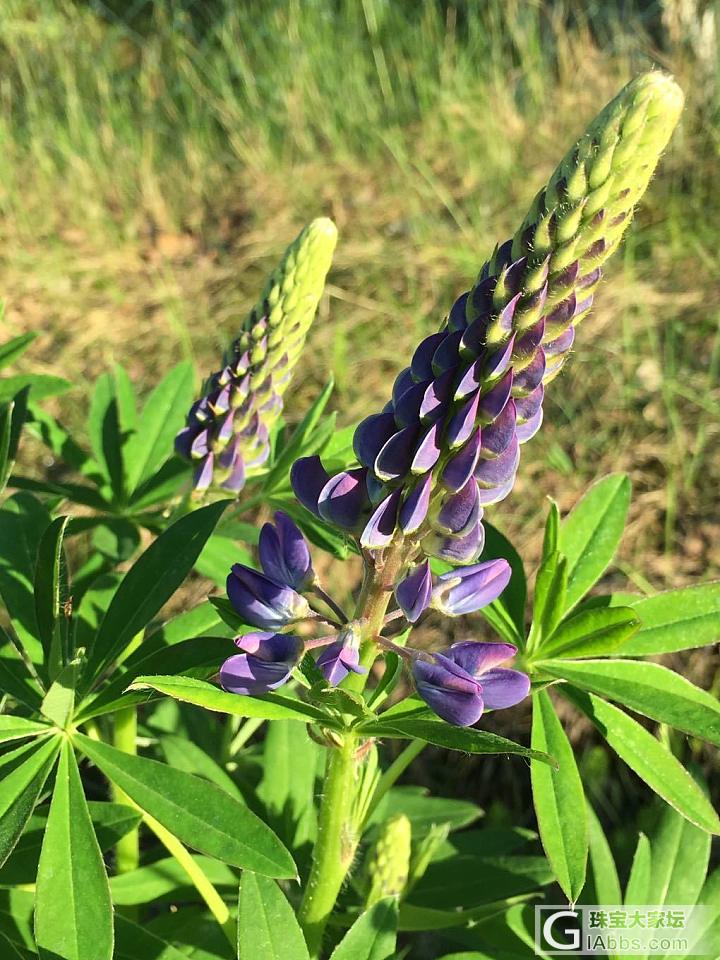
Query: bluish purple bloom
point(284, 553)
point(265, 664)
point(458, 592)
point(341, 657)
point(413, 592)
point(459, 684)
point(263, 602)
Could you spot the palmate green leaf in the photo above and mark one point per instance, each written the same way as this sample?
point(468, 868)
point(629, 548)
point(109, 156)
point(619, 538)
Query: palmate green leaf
point(12, 349)
point(59, 702)
point(16, 915)
point(41, 386)
point(559, 800)
point(267, 926)
point(708, 932)
point(647, 688)
point(162, 417)
point(507, 613)
point(74, 492)
point(166, 880)
point(105, 432)
point(291, 763)
point(218, 556)
point(183, 754)
point(151, 581)
point(466, 739)
point(424, 811)
point(605, 882)
point(680, 857)
point(591, 533)
point(166, 483)
point(23, 520)
point(111, 821)
point(637, 891)
point(550, 593)
point(77, 925)
point(50, 590)
point(23, 776)
point(199, 621)
point(414, 918)
point(271, 706)
point(199, 657)
point(16, 728)
point(134, 942)
point(196, 811)
point(15, 681)
point(373, 935)
point(676, 620)
point(467, 881)
point(649, 758)
point(592, 632)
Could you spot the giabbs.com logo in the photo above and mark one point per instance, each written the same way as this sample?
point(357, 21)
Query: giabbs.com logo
point(590, 930)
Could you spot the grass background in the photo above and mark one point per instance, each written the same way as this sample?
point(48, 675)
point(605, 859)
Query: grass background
point(157, 157)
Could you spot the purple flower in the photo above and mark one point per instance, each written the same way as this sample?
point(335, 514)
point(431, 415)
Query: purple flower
point(459, 684)
point(263, 602)
point(284, 554)
point(414, 591)
point(341, 657)
point(265, 664)
point(470, 588)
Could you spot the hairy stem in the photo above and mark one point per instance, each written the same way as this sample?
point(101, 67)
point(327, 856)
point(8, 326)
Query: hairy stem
point(337, 830)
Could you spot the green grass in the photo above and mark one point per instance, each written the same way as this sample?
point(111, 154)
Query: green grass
point(153, 167)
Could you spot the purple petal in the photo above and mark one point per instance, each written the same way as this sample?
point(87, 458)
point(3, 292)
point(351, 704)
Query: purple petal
point(496, 363)
point(308, 477)
point(436, 397)
point(204, 473)
point(460, 592)
point(337, 660)
point(470, 380)
point(504, 688)
point(414, 591)
point(456, 550)
point(250, 676)
point(560, 344)
point(462, 423)
point(370, 435)
point(403, 381)
point(498, 435)
point(415, 505)
point(497, 472)
point(407, 407)
point(459, 468)
point(344, 500)
point(457, 318)
point(456, 699)
point(527, 344)
point(494, 401)
point(527, 407)
point(530, 377)
point(421, 364)
point(427, 452)
point(458, 513)
point(495, 494)
point(477, 657)
point(235, 481)
point(396, 455)
point(284, 553)
point(380, 527)
point(527, 430)
point(446, 356)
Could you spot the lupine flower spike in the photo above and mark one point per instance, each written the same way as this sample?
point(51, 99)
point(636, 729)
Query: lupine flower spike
point(228, 429)
point(447, 442)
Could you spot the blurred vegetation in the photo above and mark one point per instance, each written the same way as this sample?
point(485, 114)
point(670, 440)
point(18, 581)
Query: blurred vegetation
point(156, 157)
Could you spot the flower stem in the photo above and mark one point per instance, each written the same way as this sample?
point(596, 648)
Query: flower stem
point(127, 849)
point(337, 830)
point(335, 845)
